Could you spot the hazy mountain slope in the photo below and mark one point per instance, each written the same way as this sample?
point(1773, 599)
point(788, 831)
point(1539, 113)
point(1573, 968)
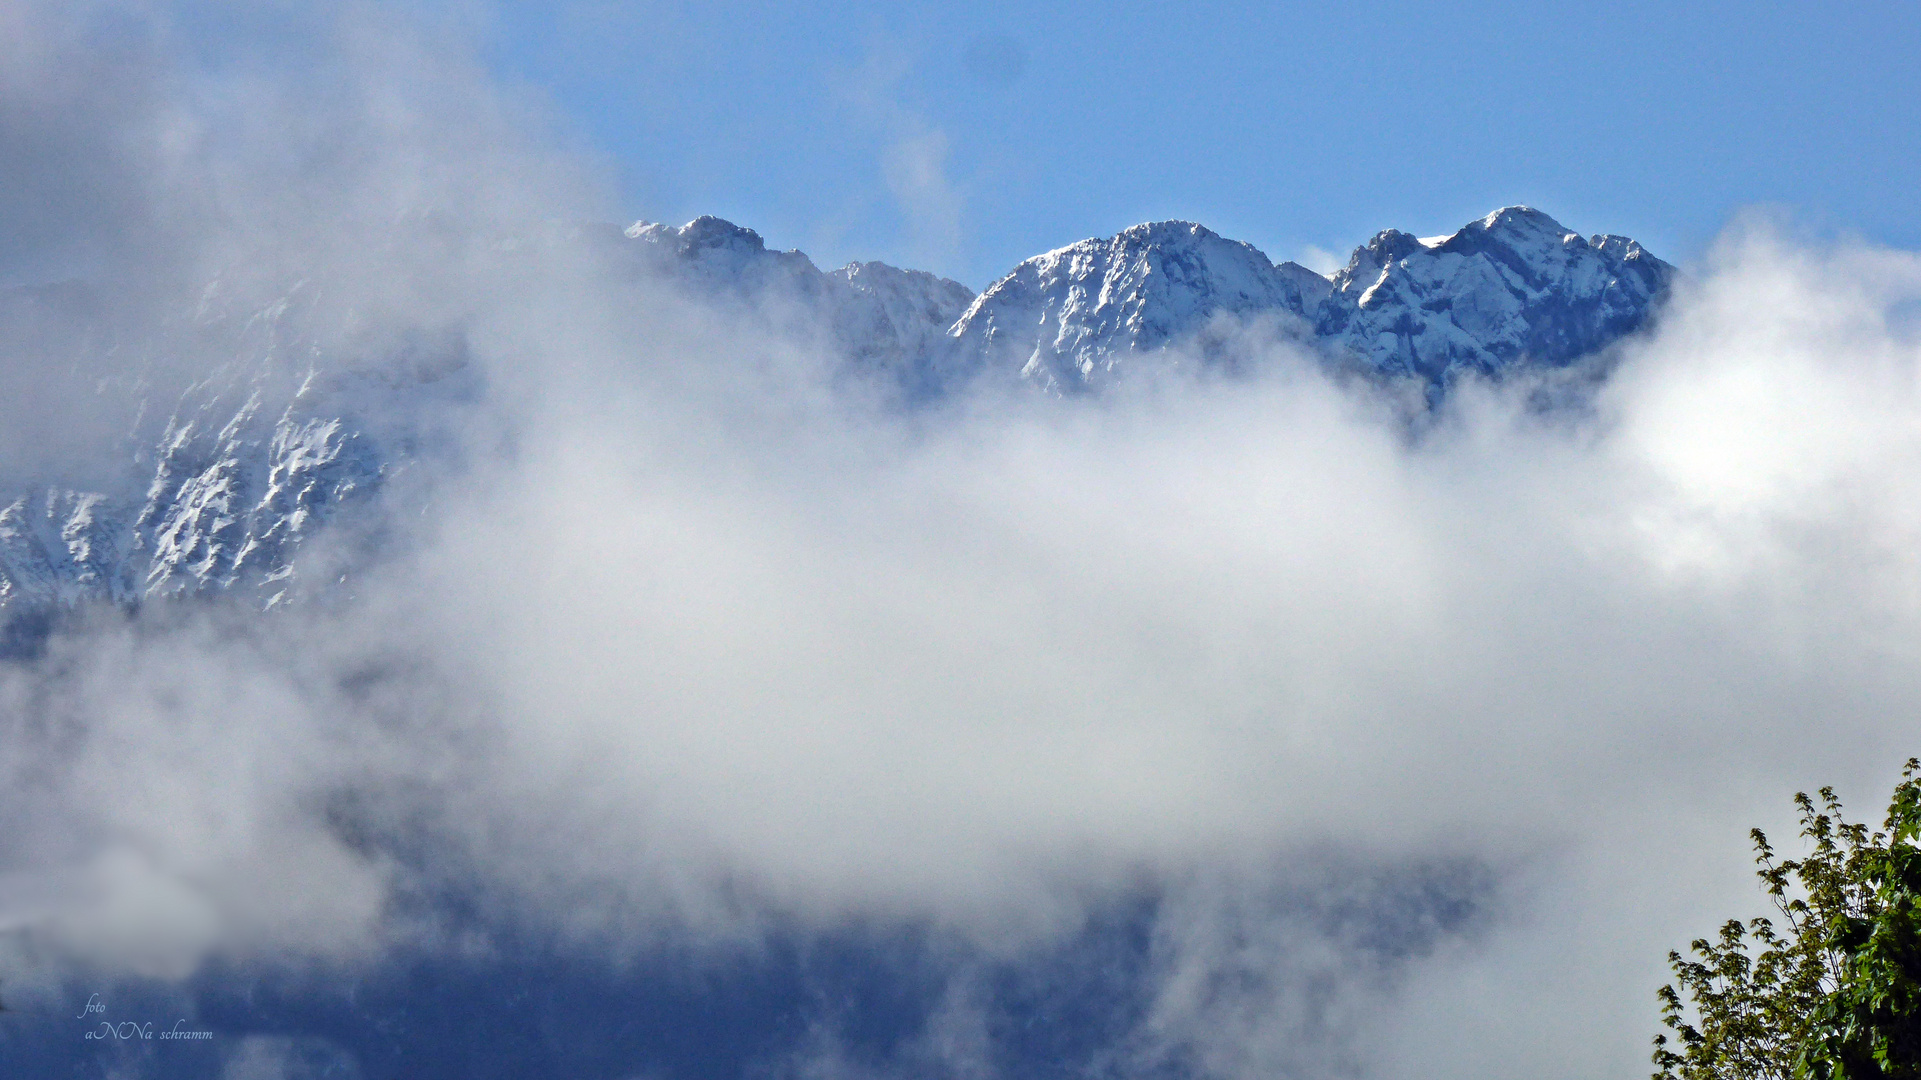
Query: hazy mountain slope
point(883, 320)
point(221, 483)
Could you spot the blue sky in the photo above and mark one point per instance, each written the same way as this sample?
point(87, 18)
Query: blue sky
point(962, 138)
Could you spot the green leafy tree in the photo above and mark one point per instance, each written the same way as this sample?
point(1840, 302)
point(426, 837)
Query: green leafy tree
point(1833, 995)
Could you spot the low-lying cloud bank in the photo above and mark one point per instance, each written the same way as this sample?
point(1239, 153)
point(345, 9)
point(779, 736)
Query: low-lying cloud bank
point(1418, 752)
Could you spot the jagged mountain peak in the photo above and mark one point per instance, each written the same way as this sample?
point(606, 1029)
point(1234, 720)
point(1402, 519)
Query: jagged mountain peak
point(1518, 220)
point(1174, 238)
point(1515, 286)
point(1171, 231)
point(1069, 318)
point(1511, 227)
point(1523, 228)
point(879, 275)
point(721, 253)
point(703, 233)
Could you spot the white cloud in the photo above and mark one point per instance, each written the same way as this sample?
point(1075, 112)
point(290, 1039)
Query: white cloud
point(914, 161)
point(1320, 260)
point(915, 166)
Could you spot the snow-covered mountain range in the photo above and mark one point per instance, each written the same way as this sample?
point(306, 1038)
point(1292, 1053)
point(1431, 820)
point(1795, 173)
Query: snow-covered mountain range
point(222, 486)
point(1512, 288)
